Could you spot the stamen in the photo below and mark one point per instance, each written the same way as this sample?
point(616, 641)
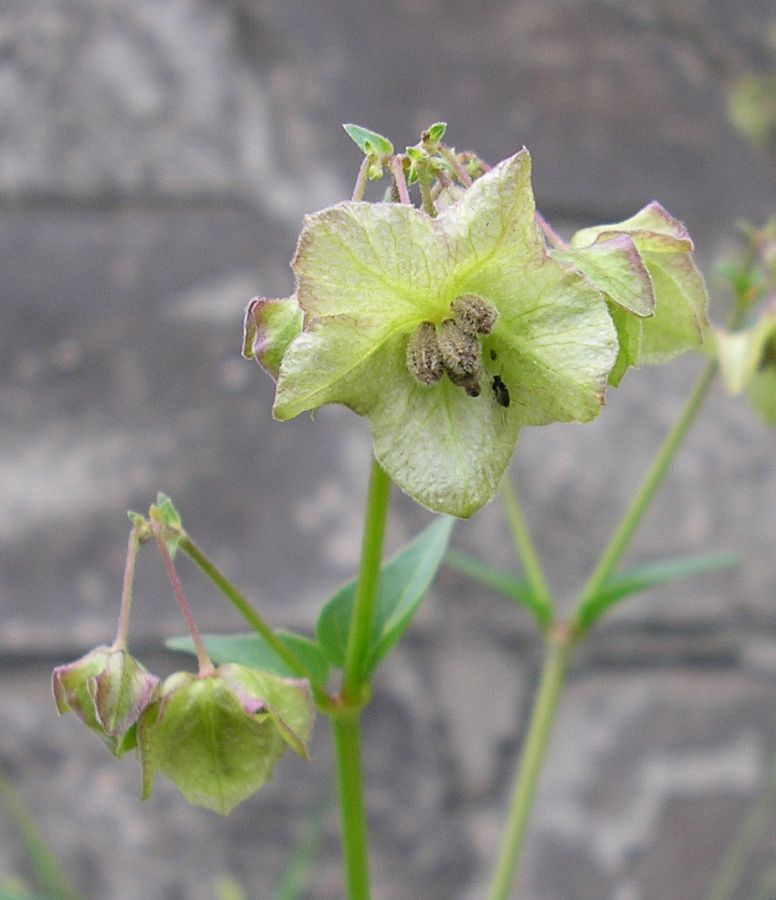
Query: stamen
point(424, 357)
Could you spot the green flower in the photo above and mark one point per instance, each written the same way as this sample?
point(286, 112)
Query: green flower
point(108, 690)
point(656, 295)
point(447, 333)
point(218, 736)
point(747, 360)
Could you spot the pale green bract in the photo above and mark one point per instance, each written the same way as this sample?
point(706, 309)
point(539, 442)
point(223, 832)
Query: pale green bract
point(219, 736)
point(369, 273)
point(657, 296)
point(748, 362)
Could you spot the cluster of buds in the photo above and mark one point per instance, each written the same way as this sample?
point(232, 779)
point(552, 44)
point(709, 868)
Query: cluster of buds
point(454, 349)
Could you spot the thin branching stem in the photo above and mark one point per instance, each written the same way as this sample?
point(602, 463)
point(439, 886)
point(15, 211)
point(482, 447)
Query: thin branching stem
point(126, 590)
point(425, 193)
point(400, 181)
point(251, 616)
point(205, 665)
point(463, 176)
point(550, 233)
point(526, 549)
point(550, 688)
point(361, 179)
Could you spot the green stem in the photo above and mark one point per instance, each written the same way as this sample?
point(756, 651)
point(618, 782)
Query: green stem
point(526, 549)
point(652, 481)
point(126, 591)
point(243, 606)
point(551, 685)
point(346, 723)
point(399, 181)
point(425, 192)
point(355, 850)
point(360, 634)
point(463, 176)
point(550, 233)
point(361, 179)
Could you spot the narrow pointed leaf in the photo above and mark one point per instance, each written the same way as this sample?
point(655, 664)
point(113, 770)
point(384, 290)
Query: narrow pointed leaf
point(165, 513)
point(436, 132)
point(403, 584)
point(252, 650)
point(511, 586)
point(369, 141)
point(407, 585)
point(641, 578)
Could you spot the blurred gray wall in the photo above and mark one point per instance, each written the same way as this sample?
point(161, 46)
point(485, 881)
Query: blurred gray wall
point(156, 158)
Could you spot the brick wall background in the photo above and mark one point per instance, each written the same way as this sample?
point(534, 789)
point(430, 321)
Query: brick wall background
point(156, 157)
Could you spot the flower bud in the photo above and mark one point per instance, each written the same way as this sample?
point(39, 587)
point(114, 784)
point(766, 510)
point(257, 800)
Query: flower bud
point(473, 315)
point(108, 690)
point(424, 358)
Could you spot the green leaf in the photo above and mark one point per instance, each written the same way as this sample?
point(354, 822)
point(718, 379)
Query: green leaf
point(404, 581)
point(252, 650)
point(165, 513)
point(517, 589)
point(434, 133)
point(369, 142)
point(641, 578)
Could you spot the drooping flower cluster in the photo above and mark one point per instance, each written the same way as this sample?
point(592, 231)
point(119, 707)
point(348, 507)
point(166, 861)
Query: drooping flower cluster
point(216, 734)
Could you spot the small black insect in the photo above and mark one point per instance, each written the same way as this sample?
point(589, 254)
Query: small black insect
point(500, 391)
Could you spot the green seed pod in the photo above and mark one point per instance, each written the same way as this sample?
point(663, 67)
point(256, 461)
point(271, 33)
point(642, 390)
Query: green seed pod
point(424, 358)
point(473, 315)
